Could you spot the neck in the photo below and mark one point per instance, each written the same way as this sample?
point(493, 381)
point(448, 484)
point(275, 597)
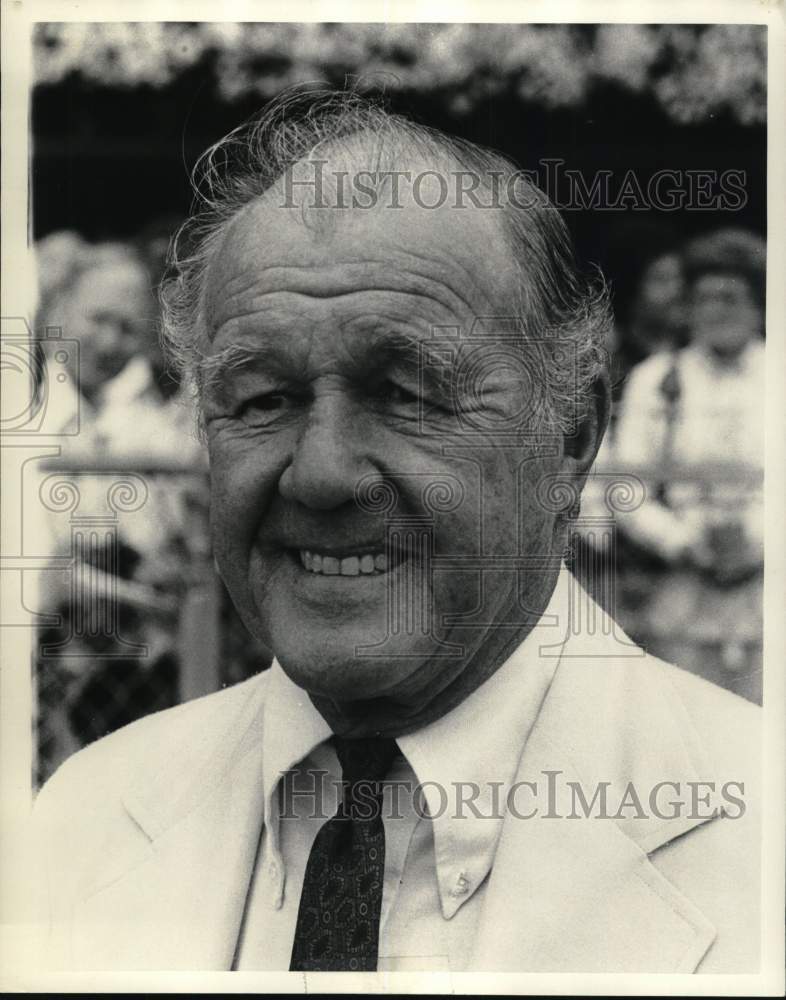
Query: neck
point(451, 684)
point(392, 717)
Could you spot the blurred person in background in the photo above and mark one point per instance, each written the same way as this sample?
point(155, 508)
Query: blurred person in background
point(700, 409)
point(645, 259)
point(101, 295)
point(649, 308)
point(113, 403)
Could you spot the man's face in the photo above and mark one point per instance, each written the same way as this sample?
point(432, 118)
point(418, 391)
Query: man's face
point(724, 313)
point(335, 399)
point(110, 311)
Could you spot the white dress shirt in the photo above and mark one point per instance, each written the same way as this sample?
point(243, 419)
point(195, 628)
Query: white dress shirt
point(440, 838)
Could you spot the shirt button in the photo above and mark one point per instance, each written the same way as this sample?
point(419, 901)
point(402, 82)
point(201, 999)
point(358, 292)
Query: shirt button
point(461, 888)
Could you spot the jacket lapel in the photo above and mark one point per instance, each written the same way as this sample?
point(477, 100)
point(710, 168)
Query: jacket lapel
point(568, 895)
point(581, 894)
point(175, 898)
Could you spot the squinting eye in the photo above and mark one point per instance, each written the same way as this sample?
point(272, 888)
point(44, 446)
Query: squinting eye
point(261, 411)
point(391, 392)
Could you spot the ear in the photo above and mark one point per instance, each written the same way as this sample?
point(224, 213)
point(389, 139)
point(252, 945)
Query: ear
point(581, 444)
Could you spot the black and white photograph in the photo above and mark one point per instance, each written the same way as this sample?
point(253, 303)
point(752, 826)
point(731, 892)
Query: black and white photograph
point(393, 499)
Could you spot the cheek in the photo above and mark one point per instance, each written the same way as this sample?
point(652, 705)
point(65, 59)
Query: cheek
point(505, 518)
point(517, 519)
point(240, 490)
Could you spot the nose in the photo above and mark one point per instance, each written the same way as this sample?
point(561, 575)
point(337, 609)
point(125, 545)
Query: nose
point(329, 458)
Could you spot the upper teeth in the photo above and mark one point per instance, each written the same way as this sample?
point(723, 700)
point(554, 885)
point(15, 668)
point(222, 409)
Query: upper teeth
point(349, 566)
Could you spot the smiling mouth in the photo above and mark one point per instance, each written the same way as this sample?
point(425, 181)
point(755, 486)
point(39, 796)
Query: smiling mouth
point(365, 564)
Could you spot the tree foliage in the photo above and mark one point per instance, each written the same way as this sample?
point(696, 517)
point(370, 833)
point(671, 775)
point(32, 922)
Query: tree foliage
point(692, 71)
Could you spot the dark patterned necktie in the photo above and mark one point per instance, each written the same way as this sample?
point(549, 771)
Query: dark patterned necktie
point(338, 920)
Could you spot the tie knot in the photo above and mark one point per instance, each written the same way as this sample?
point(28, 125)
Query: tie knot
point(365, 759)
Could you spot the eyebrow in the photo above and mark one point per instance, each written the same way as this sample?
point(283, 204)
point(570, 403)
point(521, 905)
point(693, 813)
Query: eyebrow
point(407, 350)
point(212, 369)
point(413, 355)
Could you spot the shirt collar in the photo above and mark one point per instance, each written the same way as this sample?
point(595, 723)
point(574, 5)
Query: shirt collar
point(293, 728)
point(477, 745)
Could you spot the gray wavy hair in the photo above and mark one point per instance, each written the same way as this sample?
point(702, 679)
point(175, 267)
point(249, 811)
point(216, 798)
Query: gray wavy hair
point(557, 304)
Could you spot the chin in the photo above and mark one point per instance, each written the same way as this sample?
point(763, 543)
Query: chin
point(329, 666)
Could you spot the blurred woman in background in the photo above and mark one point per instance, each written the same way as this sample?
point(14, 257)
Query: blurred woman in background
point(695, 418)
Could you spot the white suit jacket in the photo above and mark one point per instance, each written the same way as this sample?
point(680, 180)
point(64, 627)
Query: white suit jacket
point(149, 836)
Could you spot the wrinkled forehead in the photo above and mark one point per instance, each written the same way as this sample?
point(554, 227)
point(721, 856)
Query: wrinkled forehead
point(360, 202)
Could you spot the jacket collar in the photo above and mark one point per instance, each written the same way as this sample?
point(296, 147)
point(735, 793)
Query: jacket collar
point(584, 887)
point(157, 802)
point(563, 895)
point(172, 891)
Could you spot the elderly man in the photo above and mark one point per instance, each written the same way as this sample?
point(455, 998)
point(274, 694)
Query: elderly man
point(446, 767)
